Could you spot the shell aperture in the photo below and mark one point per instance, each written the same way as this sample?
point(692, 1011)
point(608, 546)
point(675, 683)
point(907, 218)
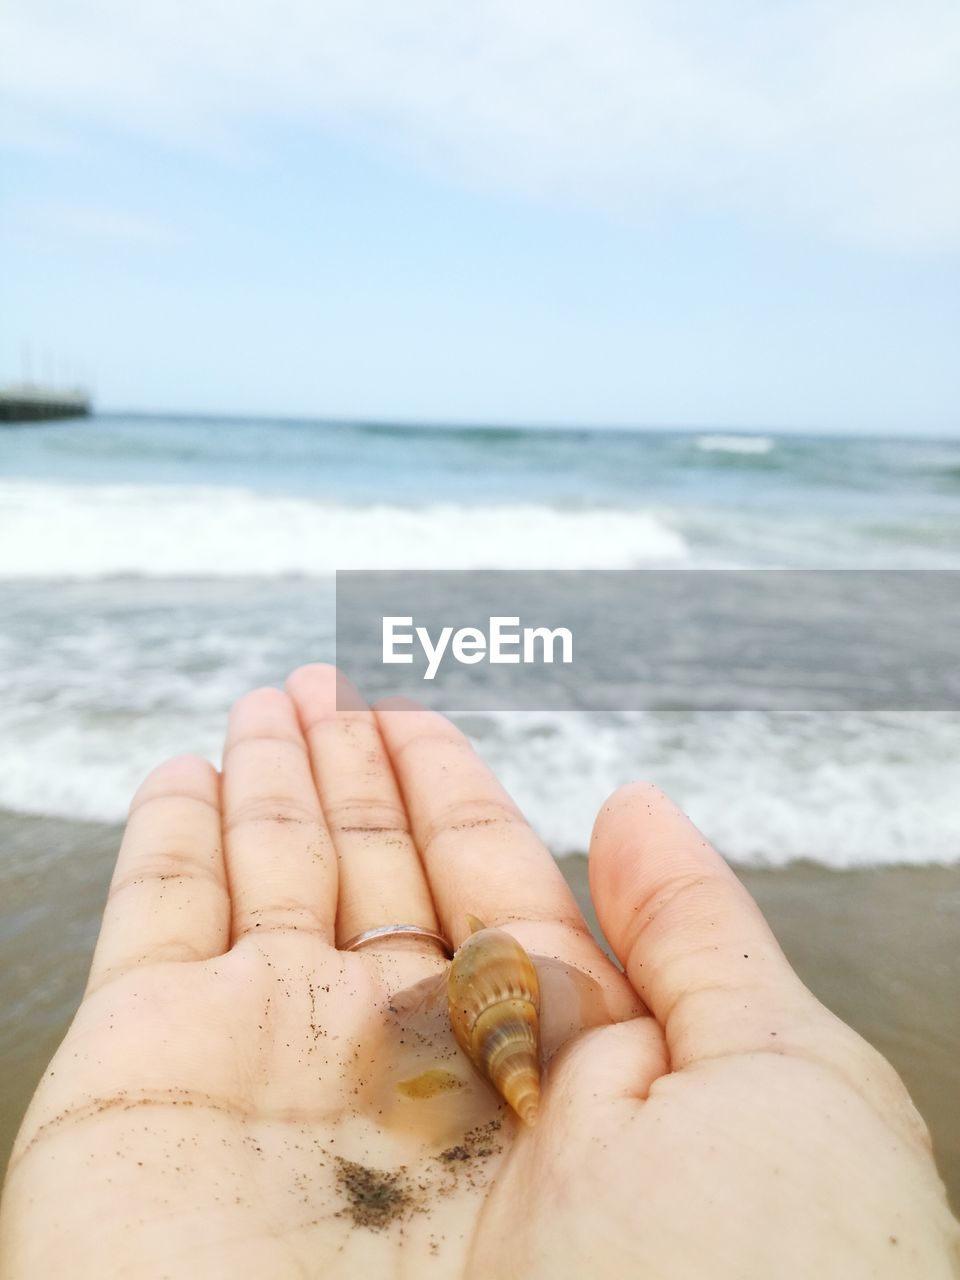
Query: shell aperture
point(494, 998)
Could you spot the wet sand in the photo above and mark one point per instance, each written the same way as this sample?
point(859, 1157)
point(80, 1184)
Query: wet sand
point(878, 946)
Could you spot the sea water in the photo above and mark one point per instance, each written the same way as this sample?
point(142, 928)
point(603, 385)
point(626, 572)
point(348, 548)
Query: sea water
point(153, 569)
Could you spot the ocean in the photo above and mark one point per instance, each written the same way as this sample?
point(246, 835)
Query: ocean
point(155, 568)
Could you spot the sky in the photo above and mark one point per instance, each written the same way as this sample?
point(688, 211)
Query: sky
point(626, 212)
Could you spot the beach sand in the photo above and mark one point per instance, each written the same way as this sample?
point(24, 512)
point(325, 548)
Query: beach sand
point(878, 946)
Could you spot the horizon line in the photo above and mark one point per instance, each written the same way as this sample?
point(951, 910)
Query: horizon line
point(472, 424)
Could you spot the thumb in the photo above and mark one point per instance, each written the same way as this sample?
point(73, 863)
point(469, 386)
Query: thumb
point(693, 942)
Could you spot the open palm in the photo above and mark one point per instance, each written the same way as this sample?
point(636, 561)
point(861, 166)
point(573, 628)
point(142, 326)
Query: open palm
point(237, 1097)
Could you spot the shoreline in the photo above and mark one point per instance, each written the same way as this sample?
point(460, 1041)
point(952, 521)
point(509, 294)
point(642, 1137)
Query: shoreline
point(876, 945)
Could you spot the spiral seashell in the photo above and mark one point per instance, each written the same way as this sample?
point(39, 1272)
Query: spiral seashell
point(494, 999)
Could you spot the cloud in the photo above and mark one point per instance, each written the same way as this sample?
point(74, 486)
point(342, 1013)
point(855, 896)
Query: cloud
point(842, 119)
point(105, 222)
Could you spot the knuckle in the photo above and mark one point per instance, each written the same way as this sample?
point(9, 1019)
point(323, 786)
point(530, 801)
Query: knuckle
point(274, 811)
point(437, 736)
point(464, 817)
point(279, 917)
point(671, 895)
point(253, 743)
point(164, 866)
point(366, 815)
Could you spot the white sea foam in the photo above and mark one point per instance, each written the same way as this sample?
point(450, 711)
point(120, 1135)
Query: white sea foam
point(735, 444)
point(112, 677)
point(93, 531)
point(853, 791)
point(845, 791)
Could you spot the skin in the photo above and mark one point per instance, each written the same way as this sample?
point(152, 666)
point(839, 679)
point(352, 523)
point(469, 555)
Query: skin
point(219, 1073)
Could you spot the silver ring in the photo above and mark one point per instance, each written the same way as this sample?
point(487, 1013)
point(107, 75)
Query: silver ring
point(398, 931)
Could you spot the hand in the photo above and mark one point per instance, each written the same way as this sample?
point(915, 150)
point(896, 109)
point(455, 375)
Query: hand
point(236, 1097)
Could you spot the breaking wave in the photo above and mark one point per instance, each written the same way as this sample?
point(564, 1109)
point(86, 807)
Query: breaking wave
point(94, 531)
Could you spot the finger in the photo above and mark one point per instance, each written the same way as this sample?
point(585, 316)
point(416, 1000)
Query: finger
point(280, 861)
point(480, 855)
point(381, 877)
point(692, 940)
point(168, 897)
